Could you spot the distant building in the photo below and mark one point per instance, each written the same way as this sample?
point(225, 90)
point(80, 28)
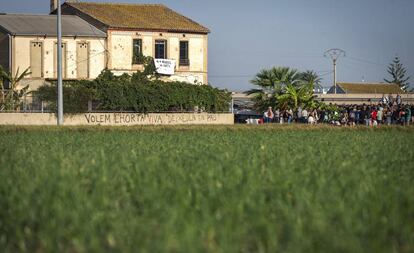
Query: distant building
point(363, 93)
point(150, 30)
point(98, 36)
point(365, 88)
point(31, 41)
point(242, 101)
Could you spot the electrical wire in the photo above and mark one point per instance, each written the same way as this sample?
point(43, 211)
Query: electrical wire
point(321, 72)
point(365, 61)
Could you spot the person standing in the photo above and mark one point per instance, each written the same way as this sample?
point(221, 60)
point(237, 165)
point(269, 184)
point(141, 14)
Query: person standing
point(401, 115)
point(268, 115)
point(399, 100)
point(351, 117)
point(412, 114)
point(289, 116)
point(380, 115)
point(363, 115)
point(357, 115)
point(300, 114)
point(388, 114)
point(305, 116)
point(407, 115)
point(384, 100)
point(312, 119)
point(374, 115)
point(390, 100)
point(277, 116)
point(368, 116)
point(395, 115)
point(316, 115)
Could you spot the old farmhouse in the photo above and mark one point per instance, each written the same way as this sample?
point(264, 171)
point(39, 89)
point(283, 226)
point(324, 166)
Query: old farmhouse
point(100, 36)
point(149, 29)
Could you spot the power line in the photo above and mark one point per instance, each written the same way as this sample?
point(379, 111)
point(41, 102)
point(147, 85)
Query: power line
point(231, 76)
point(322, 72)
point(329, 73)
point(366, 61)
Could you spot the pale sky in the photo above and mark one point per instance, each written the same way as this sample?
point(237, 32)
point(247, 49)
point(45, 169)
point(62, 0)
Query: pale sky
point(247, 36)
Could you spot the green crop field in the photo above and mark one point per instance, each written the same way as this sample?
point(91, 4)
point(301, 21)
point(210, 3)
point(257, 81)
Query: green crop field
point(206, 189)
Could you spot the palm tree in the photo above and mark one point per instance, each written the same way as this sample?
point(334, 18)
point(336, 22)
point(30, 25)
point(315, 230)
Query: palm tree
point(286, 76)
point(271, 84)
point(13, 96)
point(295, 96)
point(312, 79)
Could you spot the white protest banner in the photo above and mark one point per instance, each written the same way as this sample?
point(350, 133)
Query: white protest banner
point(164, 66)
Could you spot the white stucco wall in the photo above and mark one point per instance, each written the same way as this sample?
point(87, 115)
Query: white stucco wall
point(119, 58)
point(120, 52)
point(21, 55)
point(118, 119)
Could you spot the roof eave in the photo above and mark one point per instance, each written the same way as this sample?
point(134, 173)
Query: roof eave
point(55, 35)
point(5, 30)
point(158, 30)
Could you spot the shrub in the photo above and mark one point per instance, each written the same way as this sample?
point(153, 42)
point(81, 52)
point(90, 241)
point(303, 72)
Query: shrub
point(140, 92)
point(76, 95)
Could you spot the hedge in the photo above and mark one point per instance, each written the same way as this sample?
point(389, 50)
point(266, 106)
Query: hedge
point(137, 93)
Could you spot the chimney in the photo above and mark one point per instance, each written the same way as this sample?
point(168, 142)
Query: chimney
point(53, 5)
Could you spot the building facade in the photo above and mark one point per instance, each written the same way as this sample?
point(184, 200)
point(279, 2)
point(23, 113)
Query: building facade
point(135, 30)
point(29, 41)
point(365, 88)
point(98, 36)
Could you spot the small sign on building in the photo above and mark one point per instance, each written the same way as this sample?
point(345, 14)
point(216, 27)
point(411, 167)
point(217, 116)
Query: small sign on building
point(165, 66)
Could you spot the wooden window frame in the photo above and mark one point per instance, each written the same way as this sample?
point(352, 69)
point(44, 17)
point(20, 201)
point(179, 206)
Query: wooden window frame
point(137, 60)
point(165, 48)
point(184, 62)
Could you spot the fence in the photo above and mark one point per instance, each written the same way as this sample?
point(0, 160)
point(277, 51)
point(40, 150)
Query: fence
point(25, 104)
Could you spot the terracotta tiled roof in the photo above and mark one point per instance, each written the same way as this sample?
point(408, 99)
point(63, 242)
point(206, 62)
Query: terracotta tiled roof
point(378, 88)
point(138, 16)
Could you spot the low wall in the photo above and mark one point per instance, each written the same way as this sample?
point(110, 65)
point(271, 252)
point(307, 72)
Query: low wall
point(118, 119)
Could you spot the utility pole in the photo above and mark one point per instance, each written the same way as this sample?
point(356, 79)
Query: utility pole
point(59, 65)
point(334, 54)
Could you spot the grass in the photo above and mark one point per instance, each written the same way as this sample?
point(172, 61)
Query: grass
point(206, 189)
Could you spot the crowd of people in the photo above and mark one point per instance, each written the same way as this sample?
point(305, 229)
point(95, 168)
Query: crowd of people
point(384, 113)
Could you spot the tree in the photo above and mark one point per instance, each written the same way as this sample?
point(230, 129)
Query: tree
point(398, 74)
point(271, 84)
point(295, 96)
point(283, 87)
point(11, 98)
point(311, 78)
